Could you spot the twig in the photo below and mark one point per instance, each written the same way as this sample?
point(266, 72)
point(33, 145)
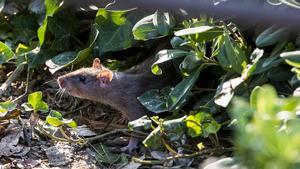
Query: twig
point(26, 88)
point(205, 153)
point(91, 139)
point(80, 108)
point(15, 74)
point(147, 162)
point(96, 124)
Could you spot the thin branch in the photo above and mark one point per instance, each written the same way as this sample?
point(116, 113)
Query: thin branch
point(15, 74)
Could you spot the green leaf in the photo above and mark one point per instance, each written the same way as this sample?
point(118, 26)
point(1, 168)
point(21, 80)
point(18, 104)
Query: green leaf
point(254, 96)
point(5, 53)
point(225, 91)
point(51, 7)
point(59, 61)
point(166, 55)
point(174, 130)
point(232, 56)
point(153, 140)
point(104, 155)
point(211, 127)
point(163, 22)
point(155, 100)
point(63, 28)
point(2, 3)
point(250, 68)
point(193, 123)
point(202, 33)
point(292, 3)
point(36, 102)
point(114, 30)
point(292, 58)
point(179, 94)
point(153, 26)
point(265, 64)
point(68, 58)
point(53, 121)
point(8, 105)
point(189, 64)
point(143, 123)
point(271, 36)
point(264, 99)
point(56, 119)
point(144, 29)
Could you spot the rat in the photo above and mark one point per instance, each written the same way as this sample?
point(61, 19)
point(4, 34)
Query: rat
point(118, 89)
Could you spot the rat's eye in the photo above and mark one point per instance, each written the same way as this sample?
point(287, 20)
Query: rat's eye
point(82, 79)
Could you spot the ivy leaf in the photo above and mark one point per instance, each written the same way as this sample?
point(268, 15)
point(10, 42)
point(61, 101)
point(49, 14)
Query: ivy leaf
point(5, 53)
point(173, 128)
point(59, 61)
point(51, 7)
point(36, 102)
point(114, 30)
point(201, 124)
point(67, 58)
point(193, 123)
point(55, 119)
point(104, 155)
point(141, 123)
point(155, 100)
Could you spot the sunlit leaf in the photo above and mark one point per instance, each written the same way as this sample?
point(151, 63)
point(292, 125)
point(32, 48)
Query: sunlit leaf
point(166, 55)
point(36, 102)
point(143, 123)
point(292, 58)
point(202, 33)
point(225, 91)
point(68, 58)
point(51, 7)
point(5, 53)
point(164, 22)
point(2, 2)
point(55, 119)
point(153, 26)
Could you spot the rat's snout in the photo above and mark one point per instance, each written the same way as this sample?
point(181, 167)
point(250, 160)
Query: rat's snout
point(61, 82)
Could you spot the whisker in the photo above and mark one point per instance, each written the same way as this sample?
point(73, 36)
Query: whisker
point(48, 82)
point(62, 93)
point(57, 93)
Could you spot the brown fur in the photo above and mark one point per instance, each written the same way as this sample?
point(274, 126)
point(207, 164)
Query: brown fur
point(123, 89)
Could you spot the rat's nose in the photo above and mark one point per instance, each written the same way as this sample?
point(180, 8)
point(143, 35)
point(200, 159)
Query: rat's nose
point(60, 82)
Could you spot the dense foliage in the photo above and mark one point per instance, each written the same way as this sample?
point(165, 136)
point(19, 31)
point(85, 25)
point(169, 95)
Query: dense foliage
point(218, 60)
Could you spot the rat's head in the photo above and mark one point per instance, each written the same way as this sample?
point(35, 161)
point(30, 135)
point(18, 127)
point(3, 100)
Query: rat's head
point(85, 82)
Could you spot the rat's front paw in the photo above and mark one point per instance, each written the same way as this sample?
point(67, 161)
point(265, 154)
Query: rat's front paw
point(132, 145)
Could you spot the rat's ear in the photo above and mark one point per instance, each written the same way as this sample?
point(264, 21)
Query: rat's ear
point(105, 76)
point(97, 63)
